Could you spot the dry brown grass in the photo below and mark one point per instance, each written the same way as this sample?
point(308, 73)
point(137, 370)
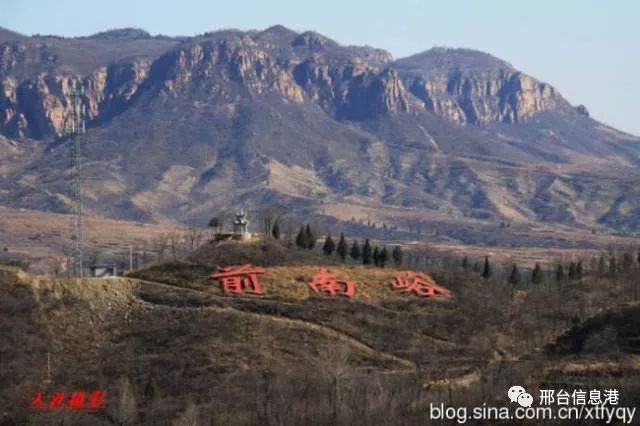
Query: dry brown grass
point(36, 236)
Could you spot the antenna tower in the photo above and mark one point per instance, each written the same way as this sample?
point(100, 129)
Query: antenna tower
point(74, 128)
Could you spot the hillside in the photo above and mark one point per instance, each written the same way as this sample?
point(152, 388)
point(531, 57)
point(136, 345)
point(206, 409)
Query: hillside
point(183, 127)
point(610, 331)
point(171, 339)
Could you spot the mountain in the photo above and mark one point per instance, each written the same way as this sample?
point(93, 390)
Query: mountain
point(179, 128)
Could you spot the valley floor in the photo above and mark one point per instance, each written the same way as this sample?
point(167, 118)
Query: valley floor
point(42, 239)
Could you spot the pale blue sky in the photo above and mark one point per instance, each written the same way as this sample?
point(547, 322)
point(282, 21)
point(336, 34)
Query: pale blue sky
point(588, 49)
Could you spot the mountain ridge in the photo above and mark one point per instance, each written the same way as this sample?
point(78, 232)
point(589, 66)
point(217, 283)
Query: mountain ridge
point(277, 116)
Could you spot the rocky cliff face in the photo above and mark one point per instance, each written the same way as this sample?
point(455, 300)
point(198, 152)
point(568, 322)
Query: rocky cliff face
point(479, 91)
point(37, 107)
point(353, 90)
point(352, 83)
point(236, 60)
point(481, 100)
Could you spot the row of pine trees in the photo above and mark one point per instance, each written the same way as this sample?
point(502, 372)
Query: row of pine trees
point(365, 253)
point(575, 271)
point(614, 267)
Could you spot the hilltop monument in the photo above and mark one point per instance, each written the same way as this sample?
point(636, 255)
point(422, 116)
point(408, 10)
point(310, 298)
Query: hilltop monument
point(241, 226)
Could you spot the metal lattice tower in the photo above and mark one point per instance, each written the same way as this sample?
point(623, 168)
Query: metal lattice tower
point(74, 127)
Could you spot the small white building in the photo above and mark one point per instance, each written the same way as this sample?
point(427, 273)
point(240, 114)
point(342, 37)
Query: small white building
point(104, 271)
point(241, 226)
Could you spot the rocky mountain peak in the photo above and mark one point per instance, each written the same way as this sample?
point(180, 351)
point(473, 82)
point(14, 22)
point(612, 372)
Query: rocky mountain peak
point(313, 41)
point(276, 34)
point(471, 87)
point(122, 33)
point(444, 59)
point(8, 35)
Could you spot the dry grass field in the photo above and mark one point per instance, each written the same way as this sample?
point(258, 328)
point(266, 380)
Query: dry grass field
point(38, 237)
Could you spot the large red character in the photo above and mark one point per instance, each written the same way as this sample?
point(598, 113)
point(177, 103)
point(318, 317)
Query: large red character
point(76, 400)
point(96, 400)
point(37, 403)
point(57, 400)
point(419, 283)
point(325, 281)
point(238, 279)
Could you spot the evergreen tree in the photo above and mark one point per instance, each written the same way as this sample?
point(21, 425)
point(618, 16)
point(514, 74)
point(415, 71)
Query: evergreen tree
point(342, 247)
point(309, 237)
point(150, 389)
point(627, 263)
point(572, 271)
point(376, 256)
point(602, 267)
point(215, 223)
point(465, 263)
point(355, 250)
point(486, 271)
point(613, 266)
point(329, 246)
point(384, 257)
point(593, 265)
point(515, 278)
point(275, 231)
point(579, 270)
point(396, 255)
point(367, 253)
point(560, 274)
point(301, 240)
point(536, 275)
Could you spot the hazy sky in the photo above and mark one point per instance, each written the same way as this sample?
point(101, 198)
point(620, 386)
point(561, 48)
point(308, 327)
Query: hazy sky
point(588, 49)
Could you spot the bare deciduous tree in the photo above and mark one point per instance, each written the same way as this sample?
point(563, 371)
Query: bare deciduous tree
point(189, 417)
point(194, 237)
point(333, 364)
point(174, 242)
point(56, 264)
point(126, 408)
point(160, 245)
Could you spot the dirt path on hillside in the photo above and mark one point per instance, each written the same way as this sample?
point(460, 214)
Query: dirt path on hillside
point(335, 334)
point(326, 330)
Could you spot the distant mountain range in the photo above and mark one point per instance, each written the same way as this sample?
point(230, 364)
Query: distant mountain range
point(179, 128)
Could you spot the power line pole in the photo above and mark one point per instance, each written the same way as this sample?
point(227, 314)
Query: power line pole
point(48, 379)
point(74, 128)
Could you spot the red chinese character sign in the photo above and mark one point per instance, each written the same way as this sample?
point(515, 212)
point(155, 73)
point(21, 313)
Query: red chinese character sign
point(244, 279)
point(327, 282)
point(419, 283)
point(76, 400)
point(239, 279)
point(96, 400)
point(37, 403)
